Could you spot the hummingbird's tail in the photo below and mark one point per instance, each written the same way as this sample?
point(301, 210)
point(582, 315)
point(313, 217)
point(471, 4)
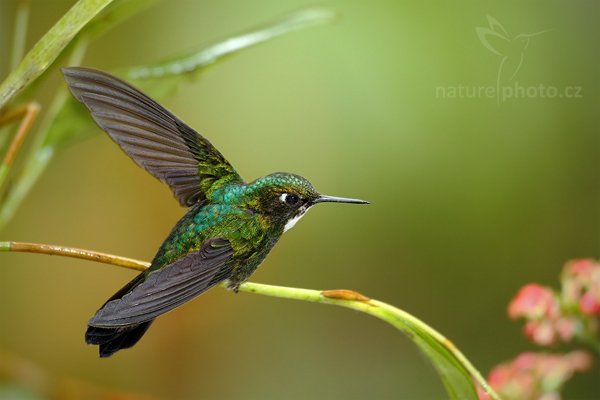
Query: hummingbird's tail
point(112, 340)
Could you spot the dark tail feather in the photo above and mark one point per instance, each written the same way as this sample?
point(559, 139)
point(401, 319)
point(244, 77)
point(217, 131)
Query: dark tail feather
point(112, 340)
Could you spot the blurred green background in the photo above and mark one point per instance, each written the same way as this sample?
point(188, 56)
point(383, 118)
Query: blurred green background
point(471, 199)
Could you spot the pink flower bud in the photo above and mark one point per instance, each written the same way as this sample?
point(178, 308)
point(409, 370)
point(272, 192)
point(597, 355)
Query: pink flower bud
point(534, 301)
point(580, 360)
point(541, 332)
point(589, 304)
point(566, 327)
point(582, 267)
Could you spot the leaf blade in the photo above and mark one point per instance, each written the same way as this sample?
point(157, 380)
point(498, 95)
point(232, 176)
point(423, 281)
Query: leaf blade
point(455, 370)
point(196, 60)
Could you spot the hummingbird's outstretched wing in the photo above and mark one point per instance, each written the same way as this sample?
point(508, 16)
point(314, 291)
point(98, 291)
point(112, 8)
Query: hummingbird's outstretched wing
point(167, 288)
point(154, 138)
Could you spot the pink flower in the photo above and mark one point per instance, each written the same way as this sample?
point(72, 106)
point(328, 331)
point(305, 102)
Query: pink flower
point(580, 360)
point(580, 267)
point(535, 375)
point(566, 328)
point(589, 304)
point(541, 332)
point(534, 301)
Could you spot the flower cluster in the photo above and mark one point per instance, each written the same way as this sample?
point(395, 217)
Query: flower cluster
point(550, 317)
point(536, 375)
point(561, 316)
point(541, 308)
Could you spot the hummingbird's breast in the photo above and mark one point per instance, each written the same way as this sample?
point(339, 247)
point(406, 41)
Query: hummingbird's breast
point(247, 232)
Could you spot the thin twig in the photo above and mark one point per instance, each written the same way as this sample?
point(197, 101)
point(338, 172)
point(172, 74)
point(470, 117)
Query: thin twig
point(28, 113)
point(400, 319)
point(73, 252)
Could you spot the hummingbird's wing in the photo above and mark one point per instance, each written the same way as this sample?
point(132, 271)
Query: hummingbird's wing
point(154, 138)
point(169, 287)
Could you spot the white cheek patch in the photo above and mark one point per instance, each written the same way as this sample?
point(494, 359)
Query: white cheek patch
point(292, 221)
point(290, 224)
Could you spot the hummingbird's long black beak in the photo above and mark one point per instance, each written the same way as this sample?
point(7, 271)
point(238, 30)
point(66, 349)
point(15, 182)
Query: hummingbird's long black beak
point(332, 199)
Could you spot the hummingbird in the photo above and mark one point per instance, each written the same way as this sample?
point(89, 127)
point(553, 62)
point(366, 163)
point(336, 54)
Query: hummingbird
point(230, 225)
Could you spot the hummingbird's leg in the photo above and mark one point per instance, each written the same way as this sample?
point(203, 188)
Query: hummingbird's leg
point(28, 113)
point(233, 284)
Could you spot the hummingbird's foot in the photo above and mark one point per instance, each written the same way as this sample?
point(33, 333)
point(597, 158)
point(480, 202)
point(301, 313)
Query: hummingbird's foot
point(235, 286)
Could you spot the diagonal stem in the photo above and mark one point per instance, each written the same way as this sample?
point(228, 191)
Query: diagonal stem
point(28, 113)
point(400, 319)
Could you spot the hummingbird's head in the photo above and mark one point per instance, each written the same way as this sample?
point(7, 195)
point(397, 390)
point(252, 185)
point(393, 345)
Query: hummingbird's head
point(284, 198)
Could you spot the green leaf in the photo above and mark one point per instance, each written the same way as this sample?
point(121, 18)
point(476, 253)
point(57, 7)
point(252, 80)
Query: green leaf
point(440, 351)
point(456, 372)
point(49, 47)
point(162, 78)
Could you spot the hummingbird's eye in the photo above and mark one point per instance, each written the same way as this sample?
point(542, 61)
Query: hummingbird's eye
point(290, 199)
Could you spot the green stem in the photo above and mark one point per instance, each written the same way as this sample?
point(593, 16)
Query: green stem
point(401, 320)
point(27, 114)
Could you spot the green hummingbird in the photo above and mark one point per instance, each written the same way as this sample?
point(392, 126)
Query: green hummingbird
point(225, 235)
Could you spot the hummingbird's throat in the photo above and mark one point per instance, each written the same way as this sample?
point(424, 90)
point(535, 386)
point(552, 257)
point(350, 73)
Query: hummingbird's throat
point(292, 221)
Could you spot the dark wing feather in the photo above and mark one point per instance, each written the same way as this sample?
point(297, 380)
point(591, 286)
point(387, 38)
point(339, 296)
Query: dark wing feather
point(153, 137)
point(169, 287)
